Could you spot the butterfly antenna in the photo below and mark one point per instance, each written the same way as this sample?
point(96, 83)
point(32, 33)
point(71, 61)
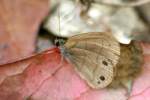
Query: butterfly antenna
point(57, 39)
point(59, 29)
point(59, 20)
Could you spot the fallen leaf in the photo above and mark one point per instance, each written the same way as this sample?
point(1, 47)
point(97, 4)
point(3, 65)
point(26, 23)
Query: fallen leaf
point(19, 22)
point(49, 76)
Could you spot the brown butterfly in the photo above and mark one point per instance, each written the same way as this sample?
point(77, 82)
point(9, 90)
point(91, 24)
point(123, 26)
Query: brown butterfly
point(94, 56)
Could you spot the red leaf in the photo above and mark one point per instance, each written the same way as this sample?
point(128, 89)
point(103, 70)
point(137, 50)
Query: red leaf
point(31, 72)
point(48, 76)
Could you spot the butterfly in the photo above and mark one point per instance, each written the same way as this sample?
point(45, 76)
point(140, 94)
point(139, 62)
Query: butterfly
point(94, 56)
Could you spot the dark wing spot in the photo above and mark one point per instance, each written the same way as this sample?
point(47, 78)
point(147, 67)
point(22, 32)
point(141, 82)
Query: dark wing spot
point(105, 63)
point(102, 78)
point(98, 82)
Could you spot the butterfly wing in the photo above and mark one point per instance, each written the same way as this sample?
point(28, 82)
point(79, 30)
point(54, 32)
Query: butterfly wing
point(94, 56)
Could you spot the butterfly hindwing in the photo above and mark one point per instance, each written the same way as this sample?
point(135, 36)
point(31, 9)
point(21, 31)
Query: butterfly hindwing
point(96, 70)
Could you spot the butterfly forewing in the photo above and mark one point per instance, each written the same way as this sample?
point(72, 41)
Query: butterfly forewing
point(101, 40)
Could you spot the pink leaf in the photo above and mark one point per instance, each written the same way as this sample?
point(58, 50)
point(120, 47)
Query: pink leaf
point(48, 76)
point(19, 22)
